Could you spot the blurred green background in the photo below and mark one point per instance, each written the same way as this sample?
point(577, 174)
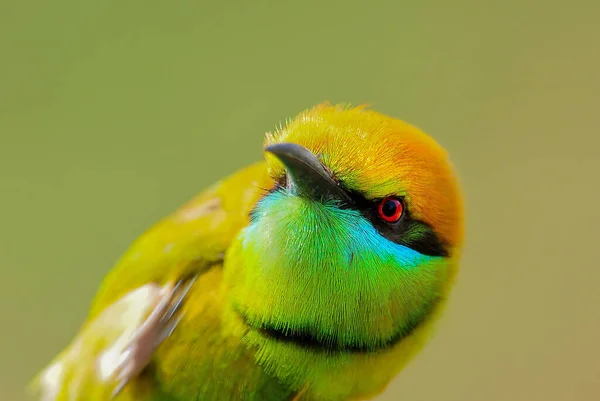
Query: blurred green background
point(113, 113)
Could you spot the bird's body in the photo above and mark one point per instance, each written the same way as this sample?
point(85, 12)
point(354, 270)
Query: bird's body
point(302, 292)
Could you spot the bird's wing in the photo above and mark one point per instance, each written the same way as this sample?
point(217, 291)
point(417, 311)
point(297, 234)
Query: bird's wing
point(139, 297)
point(190, 240)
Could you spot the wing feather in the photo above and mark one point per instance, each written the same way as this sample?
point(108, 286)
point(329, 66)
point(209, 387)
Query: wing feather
point(187, 242)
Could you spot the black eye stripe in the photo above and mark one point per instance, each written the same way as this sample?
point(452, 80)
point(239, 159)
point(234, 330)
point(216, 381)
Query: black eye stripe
point(407, 231)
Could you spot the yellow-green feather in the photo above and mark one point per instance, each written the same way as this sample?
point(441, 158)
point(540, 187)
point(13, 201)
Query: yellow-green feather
point(214, 354)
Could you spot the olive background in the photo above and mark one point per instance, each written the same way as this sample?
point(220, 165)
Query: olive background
point(114, 113)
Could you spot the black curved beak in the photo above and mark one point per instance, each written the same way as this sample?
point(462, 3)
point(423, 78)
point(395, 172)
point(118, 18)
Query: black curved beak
point(306, 175)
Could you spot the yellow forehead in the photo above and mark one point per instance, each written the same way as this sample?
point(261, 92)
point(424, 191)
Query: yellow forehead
point(379, 156)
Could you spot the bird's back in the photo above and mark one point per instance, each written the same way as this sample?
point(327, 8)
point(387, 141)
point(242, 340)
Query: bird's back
point(198, 359)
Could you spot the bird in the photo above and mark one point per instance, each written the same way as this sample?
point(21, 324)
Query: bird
point(315, 274)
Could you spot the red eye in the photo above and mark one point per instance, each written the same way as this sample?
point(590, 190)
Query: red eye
point(390, 210)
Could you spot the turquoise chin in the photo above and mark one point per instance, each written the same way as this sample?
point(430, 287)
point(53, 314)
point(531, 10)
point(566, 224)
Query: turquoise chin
point(325, 273)
point(327, 223)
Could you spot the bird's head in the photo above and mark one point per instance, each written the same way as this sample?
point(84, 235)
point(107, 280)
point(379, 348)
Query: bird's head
point(356, 244)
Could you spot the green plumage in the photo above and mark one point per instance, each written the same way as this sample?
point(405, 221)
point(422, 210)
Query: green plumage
point(303, 289)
